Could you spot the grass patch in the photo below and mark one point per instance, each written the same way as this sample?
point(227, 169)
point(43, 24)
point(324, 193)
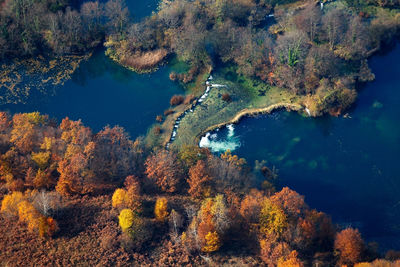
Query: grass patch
point(245, 93)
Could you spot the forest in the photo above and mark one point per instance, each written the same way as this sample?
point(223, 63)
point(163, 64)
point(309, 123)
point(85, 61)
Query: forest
point(320, 54)
point(56, 27)
point(74, 197)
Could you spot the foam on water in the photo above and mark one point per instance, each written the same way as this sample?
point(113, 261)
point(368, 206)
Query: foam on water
point(230, 143)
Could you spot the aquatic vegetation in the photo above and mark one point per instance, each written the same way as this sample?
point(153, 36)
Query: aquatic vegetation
point(19, 77)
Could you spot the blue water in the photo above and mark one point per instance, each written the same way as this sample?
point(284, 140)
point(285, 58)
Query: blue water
point(348, 168)
point(102, 93)
point(141, 8)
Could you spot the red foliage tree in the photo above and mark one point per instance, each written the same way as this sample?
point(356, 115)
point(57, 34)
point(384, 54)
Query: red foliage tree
point(164, 170)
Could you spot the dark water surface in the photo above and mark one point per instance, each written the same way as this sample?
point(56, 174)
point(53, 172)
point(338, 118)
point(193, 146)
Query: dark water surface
point(101, 92)
point(348, 168)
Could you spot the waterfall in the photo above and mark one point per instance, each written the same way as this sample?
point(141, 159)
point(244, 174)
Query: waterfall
point(308, 112)
point(230, 143)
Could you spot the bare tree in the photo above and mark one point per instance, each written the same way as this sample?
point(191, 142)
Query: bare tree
point(48, 203)
point(175, 222)
point(335, 24)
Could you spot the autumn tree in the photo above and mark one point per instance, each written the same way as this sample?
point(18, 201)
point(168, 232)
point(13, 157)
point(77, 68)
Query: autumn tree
point(273, 250)
point(164, 170)
point(132, 186)
point(161, 209)
point(334, 24)
point(349, 246)
point(189, 155)
point(273, 220)
point(117, 14)
point(126, 218)
point(291, 261)
point(28, 215)
point(199, 180)
point(290, 201)
point(75, 177)
point(111, 154)
point(26, 134)
point(251, 205)
point(9, 204)
point(120, 198)
point(309, 19)
point(135, 230)
point(175, 223)
point(212, 242)
point(211, 223)
point(47, 226)
point(229, 172)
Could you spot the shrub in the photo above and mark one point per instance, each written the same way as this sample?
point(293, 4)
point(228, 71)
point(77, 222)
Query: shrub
point(173, 76)
point(159, 118)
point(157, 130)
point(168, 112)
point(176, 100)
point(226, 97)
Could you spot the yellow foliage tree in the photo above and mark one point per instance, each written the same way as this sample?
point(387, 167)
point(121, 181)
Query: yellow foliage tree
point(233, 159)
point(29, 215)
point(126, 218)
point(10, 203)
point(47, 226)
point(272, 219)
point(213, 242)
point(41, 159)
point(291, 261)
point(161, 209)
point(120, 198)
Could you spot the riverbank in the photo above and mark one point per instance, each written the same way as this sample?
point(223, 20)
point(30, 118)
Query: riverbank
point(253, 112)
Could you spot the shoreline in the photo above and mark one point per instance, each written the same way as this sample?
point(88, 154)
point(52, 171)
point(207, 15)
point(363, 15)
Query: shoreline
point(249, 112)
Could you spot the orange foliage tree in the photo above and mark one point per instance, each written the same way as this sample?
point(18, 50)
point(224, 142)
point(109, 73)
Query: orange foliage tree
point(198, 180)
point(75, 176)
point(291, 261)
point(349, 246)
point(47, 226)
point(290, 201)
point(210, 224)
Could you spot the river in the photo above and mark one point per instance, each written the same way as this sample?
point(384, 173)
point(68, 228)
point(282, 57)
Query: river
point(346, 167)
